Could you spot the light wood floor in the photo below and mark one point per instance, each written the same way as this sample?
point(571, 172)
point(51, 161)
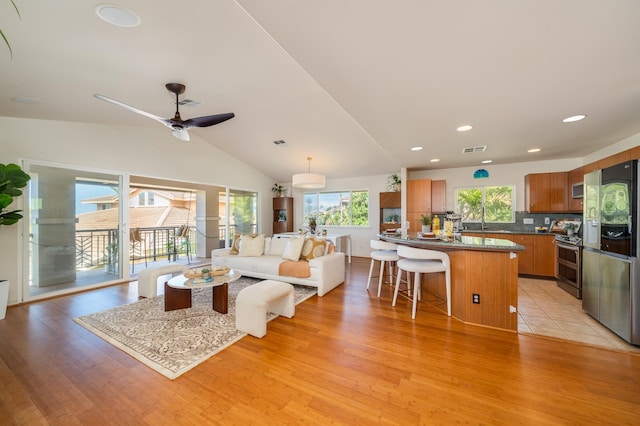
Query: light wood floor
point(346, 358)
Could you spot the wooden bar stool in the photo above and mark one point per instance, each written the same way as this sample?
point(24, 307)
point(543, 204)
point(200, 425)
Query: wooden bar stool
point(422, 261)
point(384, 252)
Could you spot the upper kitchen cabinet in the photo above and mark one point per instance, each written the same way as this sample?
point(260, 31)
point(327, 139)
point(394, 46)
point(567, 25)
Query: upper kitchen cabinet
point(546, 192)
point(418, 201)
point(438, 196)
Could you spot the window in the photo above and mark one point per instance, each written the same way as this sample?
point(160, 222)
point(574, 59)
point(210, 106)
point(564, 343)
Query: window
point(496, 202)
point(348, 208)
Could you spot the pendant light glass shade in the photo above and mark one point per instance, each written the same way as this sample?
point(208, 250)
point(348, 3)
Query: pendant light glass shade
point(308, 180)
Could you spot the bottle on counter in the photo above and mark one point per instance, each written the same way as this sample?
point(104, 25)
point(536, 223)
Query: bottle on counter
point(435, 224)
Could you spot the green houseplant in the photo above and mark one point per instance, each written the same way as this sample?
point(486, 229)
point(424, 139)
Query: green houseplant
point(426, 223)
point(278, 189)
point(12, 179)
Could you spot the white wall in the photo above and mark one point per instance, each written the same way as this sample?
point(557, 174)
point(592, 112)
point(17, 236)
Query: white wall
point(129, 150)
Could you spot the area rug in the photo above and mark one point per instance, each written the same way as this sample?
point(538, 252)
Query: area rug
point(174, 342)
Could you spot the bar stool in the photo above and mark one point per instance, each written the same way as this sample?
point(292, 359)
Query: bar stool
point(422, 261)
point(384, 252)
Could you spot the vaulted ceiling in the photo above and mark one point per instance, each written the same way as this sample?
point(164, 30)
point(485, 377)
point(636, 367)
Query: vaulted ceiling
point(352, 84)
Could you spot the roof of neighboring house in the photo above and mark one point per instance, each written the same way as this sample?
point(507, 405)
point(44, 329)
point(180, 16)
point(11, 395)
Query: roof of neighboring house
point(139, 217)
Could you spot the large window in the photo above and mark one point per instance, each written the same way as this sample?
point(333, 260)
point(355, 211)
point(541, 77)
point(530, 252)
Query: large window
point(348, 208)
point(493, 204)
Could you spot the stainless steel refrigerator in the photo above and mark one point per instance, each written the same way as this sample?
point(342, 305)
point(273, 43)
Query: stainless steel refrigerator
point(610, 274)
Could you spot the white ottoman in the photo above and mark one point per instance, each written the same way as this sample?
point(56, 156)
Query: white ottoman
point(148, 278)
point(253, 303)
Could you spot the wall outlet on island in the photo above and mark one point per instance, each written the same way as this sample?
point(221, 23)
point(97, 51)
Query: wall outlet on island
point(476, 298)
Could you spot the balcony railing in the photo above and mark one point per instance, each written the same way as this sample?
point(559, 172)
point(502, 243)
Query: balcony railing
point(99, 247)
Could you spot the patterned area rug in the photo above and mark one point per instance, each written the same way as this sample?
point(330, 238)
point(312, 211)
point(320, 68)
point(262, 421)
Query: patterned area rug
point(174, 342)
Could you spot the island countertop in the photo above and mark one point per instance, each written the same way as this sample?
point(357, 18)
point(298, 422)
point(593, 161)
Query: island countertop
point(465, 243)
point(484, 277)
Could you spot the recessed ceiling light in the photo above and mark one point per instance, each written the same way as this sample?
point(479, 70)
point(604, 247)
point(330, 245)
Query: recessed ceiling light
point(464, 128)
point(434, 160)
point(417, 148)
point(117, 15)
point(534, 150)
point(487, 161)
point(26, 100)
point(574, 118)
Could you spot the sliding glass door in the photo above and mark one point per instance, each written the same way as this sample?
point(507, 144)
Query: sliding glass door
point(74, 223)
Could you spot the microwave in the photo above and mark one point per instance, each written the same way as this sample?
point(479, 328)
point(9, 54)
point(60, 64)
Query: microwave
point(577, 190)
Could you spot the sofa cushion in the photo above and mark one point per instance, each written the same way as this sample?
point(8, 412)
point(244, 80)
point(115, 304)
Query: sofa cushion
point(251, 245)
point(294, 248)
point(312, 248)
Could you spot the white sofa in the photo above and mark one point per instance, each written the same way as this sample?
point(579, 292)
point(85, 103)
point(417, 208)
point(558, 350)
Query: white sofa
point(327, 272)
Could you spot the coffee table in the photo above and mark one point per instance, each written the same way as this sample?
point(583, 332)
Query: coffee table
point(177, 291)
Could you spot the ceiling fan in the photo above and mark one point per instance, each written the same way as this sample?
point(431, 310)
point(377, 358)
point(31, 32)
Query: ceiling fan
point(177, 125)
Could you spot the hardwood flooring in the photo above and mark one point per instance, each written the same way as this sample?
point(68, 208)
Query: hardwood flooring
point(346, 358)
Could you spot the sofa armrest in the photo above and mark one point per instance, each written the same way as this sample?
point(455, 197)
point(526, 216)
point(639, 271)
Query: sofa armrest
point(329, 270)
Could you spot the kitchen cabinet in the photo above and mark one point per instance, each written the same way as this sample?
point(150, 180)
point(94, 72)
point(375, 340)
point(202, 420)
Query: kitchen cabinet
point(546, 192)
point(390, 210)
point(538, 258)
point(418, 202)
point(282, 215)
point(438, 196)
point(544, 255)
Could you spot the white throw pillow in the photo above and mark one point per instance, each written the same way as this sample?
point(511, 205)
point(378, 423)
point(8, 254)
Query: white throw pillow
point(267, 245)
point(251, 246)
point(277, 246)
point(294, 248)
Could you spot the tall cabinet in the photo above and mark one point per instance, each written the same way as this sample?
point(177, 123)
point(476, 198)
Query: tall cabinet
point(282, 215)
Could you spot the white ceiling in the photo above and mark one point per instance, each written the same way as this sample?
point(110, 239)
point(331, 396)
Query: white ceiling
point(352, 84)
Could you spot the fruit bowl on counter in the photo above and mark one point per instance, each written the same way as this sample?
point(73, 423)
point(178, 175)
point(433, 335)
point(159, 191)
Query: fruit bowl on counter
point(541, 229)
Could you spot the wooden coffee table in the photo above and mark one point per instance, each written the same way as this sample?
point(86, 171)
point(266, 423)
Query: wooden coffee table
point(177, 291)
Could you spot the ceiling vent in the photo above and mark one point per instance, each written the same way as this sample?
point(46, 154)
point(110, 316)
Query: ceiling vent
point(189, 102)
point(474, 149)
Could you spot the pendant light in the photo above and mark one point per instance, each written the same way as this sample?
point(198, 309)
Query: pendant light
point(308, 180)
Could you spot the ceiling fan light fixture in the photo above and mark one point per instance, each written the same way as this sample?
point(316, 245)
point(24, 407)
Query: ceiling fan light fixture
point(117, 15)
point(308, 180)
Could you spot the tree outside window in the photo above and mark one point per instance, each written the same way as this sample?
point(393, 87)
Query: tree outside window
point(347, 208)
point(496, 200)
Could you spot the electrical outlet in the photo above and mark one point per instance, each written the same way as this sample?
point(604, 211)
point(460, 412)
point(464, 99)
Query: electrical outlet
point(476, 298)
point(546, 221)
point(527, 221)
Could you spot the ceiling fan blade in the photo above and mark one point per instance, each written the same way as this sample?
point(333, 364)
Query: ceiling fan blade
point(208, 120)
point(133, 109)
point(181, 134)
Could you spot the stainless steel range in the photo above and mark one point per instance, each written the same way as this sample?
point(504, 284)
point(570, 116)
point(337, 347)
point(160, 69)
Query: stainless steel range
point(569, 264)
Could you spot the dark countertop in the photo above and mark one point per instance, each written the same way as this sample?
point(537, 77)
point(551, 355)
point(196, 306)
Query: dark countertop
point(500, 231)
point(465, 243)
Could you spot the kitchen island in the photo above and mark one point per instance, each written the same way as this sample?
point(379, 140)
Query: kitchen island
point(486, 267)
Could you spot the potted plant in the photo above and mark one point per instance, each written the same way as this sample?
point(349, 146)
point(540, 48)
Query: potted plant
point(426, 223)
point(278, 189)
point(206, 273)
point(570, 227)
point(12, 179)
point(393, 183)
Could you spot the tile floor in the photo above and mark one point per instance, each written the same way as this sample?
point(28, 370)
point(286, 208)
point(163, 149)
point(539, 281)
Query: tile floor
point(547, 310)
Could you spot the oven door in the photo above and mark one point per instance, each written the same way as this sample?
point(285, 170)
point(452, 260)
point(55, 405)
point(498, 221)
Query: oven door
point(569, 274)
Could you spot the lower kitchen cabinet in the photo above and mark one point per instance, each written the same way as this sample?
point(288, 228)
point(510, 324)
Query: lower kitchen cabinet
point(538, 257)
